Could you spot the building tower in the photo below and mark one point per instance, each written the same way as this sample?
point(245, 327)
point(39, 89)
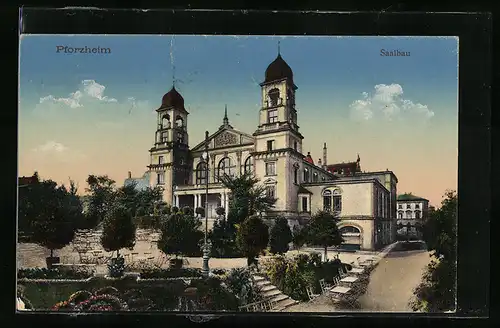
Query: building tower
point(278, 142)
point(170, 160)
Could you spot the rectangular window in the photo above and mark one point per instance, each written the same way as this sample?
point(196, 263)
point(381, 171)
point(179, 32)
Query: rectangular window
point(327, 203)
point(272, 116)
point(337, 203)
point(417, 206)
point(295, 145)
point(160, 160)
point(161, 178)
point(295, 175)
point(408, 206)
point(164, 137)
point(400, 206)
point(271, 191)
point(304, 204)
point(270, 145)
point(271, 168)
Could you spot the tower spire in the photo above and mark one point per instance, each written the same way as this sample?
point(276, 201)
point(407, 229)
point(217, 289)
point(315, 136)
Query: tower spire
point(172, 64)
point(279, 53)
point(225, 120)
point(325, 156)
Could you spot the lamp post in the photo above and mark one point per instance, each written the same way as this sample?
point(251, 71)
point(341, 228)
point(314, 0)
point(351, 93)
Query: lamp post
point(206, 246)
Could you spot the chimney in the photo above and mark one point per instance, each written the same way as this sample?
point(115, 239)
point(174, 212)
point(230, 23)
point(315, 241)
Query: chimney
point(129, 175)
point(324, 155)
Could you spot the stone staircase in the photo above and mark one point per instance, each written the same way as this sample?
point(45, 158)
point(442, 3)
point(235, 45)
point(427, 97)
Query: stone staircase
point(272, 293)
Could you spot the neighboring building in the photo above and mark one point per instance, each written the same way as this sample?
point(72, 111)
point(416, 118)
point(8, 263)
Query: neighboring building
point(141, 183)
point(413, 210)
point(26, 181)
point(365, 202)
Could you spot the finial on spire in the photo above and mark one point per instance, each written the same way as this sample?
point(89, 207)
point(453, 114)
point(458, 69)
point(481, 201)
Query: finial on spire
point(358, 158)
point(225, 120)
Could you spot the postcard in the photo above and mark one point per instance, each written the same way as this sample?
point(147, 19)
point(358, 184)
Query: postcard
point(229, 174)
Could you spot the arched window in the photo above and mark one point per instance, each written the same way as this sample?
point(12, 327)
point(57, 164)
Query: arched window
point(274, 95)
point(248, 167)
point(327, 200)
point(226, 167)
point(337, 200)
point(349, 229)
point(201, 173)
point(408, 214)
point(400, 214)
point(295, 175)
point(165, 121)
point(315, 177)
point(417, 215)
point(179, 122)
point(306, 175)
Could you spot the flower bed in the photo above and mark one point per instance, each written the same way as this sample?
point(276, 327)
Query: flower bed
point(55, 274)
point(148, 274)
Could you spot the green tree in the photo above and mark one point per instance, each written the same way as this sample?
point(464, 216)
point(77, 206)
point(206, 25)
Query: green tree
point(150, 208)
point(118, 229)
point(280, 236)
point(101, 199)
point(322, 230)
point(223, 238)
point(180, 235)
point(437, 291)
point(246, 198)
point(55, 212)
point(299, 237)
point(252, 238)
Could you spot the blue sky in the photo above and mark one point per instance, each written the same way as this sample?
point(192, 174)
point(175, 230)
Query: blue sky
point(332, 73)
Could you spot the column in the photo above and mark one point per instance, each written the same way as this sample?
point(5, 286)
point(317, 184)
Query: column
point(238, 163)
point(196, 203)
point(176, 200)
point(212, 169)
point(226, 202)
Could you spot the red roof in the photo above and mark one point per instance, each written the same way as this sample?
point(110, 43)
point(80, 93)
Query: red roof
point(345, 167)
point(309, 159)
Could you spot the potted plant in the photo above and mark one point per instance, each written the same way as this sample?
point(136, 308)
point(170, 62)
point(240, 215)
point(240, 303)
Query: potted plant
point(200, 211)
point(118, 232)
point(180, 234)
point(220, 211)
point(56, 213)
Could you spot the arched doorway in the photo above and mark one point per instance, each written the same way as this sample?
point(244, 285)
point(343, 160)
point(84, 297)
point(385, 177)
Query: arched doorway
point(352, 237)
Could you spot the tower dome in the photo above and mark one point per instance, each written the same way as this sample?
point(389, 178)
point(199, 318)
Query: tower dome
point(172, 99)
point(278, 70)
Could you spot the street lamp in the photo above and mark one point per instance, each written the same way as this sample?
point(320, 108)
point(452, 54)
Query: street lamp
point(206, 246)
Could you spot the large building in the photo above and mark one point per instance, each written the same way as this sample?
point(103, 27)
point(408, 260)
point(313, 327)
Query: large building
point(365, 202)
point(412, 211)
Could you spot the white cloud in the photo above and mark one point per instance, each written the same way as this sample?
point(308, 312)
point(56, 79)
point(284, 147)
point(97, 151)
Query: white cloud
point(387, 101)
point(55, 151)
point(51, 146)
point(88, 90)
